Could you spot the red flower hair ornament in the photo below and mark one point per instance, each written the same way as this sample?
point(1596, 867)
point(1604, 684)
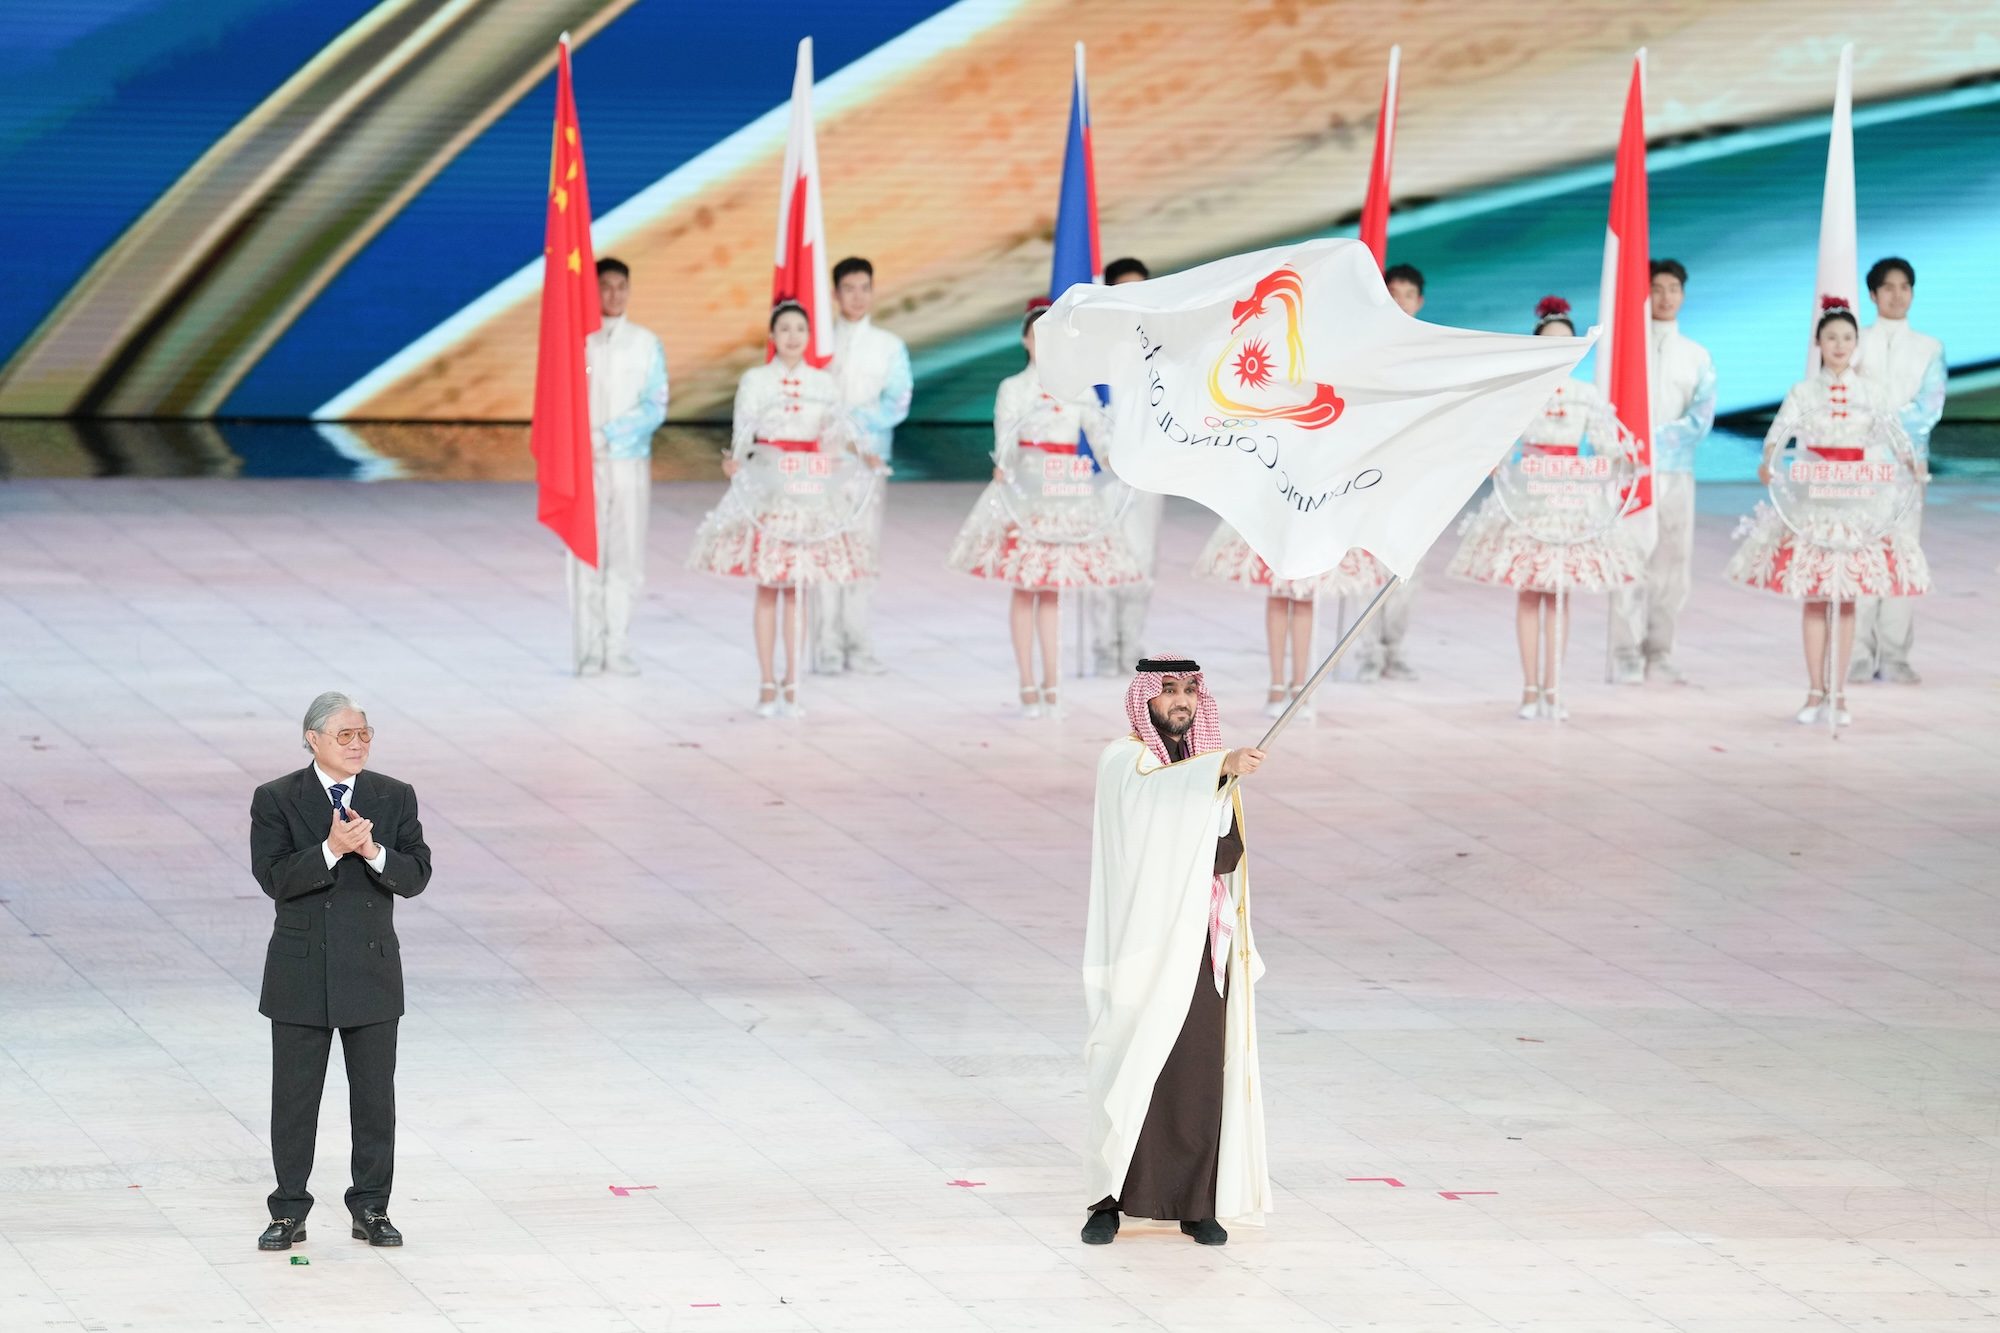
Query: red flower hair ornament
point(1549, 309)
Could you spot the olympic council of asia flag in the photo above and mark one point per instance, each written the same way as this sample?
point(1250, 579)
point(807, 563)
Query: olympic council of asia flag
point(1286, 391)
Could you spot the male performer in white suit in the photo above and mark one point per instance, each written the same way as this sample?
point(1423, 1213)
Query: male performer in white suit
point(1383, 652)
point(872, 368)
point(628, 401)
point(1909, 367)
point(1118, 615)
point(1176, 1115)
point(1645, 615)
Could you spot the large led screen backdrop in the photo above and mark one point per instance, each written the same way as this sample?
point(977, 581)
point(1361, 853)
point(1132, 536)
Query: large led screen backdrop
point(331, 208)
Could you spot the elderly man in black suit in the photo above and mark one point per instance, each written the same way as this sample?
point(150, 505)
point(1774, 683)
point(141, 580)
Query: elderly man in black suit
point(334, 847)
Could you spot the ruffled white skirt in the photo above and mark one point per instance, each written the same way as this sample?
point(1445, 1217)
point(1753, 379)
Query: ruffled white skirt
point(1058, 546)
point(781, 545)
point(1772, 558)
point(1228, 558)
point(1500, 552)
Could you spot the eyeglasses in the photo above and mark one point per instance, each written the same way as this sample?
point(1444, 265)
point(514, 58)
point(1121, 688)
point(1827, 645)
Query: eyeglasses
point(365, 735)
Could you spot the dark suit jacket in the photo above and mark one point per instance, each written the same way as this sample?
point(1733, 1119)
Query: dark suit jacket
point(334, 960)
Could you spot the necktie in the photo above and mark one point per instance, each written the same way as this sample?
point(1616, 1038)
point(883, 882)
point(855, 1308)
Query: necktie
point(339, 792)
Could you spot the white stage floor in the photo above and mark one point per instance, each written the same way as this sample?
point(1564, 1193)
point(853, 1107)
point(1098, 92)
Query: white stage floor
point(1696, 1008)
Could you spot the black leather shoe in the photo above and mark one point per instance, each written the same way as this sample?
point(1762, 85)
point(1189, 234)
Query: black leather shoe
point(1101, 1227)
point(280, 1235)
point(376, 1229)
point(1205, 1232)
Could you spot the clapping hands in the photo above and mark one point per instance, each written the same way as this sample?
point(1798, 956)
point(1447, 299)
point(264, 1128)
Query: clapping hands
point(352, 834)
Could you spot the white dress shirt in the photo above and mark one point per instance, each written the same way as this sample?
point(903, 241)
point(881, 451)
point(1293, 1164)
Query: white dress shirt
point(326, 783)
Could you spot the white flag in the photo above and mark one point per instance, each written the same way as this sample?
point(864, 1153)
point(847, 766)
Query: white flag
point(1839, 262)
point(1288, 393)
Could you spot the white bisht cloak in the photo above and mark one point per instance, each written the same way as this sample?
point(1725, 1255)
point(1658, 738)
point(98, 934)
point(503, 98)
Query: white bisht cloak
point(1152, 862)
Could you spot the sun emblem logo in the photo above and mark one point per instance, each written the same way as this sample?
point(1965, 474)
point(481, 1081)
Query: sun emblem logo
point(1253, 365)
point(1275, 393)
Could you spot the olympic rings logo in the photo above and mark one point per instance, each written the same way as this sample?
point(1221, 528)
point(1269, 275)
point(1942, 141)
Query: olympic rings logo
point(1225, 423)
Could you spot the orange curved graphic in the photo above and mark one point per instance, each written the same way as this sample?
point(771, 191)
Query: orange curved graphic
point(1248, 355)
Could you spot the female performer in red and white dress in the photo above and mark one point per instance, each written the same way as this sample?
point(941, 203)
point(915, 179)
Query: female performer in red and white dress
point(1501, 552)
point(781, 536)
point(1288, 603)
point(1041, 526)
point(1844, 415)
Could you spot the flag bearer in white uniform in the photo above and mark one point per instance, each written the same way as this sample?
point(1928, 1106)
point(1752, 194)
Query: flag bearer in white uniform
point(872, 368)
point(1384, 648)
point(1645, 614)
point(628, 401)
point(1118, 615)
point(1909, 368)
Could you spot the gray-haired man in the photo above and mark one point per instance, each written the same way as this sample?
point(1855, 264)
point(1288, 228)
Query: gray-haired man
point(334, 847)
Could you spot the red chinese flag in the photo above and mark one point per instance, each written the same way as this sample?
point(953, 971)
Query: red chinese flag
point(560, 437)
point(1627, 286)
point(1375, 209)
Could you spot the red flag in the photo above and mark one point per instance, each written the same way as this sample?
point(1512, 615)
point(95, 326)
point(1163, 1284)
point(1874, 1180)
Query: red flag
point(560, 437)
point(1628, 286)
point(800, 274)
point(1375, 211)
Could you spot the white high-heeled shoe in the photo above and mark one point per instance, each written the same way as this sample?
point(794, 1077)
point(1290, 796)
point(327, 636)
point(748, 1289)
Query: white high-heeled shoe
point(1531, 704)
point(1841, 717)
point(1552, 707)
point(790, 707)
point(1275, 700)
point(1814, 709)
point(1031, 702)
point(767, 699)
point(1306, 711)
point(1051, 704)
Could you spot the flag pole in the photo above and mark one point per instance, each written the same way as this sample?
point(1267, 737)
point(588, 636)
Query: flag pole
point(1326, 667)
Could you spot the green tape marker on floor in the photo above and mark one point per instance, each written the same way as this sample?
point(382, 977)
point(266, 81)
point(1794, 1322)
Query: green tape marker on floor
point(300, 1259)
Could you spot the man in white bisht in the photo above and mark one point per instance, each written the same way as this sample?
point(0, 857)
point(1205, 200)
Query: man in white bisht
point(628, 401)
point(872, 368)
point(1176, 1114)
point(1339, 422)
point(1645, 615)
point(1909, 367)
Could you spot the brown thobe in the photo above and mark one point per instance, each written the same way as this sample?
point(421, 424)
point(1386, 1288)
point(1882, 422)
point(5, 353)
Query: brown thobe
point(1172, 1176)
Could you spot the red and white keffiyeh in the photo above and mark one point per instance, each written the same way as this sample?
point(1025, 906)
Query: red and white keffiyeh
point(1203, 737)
